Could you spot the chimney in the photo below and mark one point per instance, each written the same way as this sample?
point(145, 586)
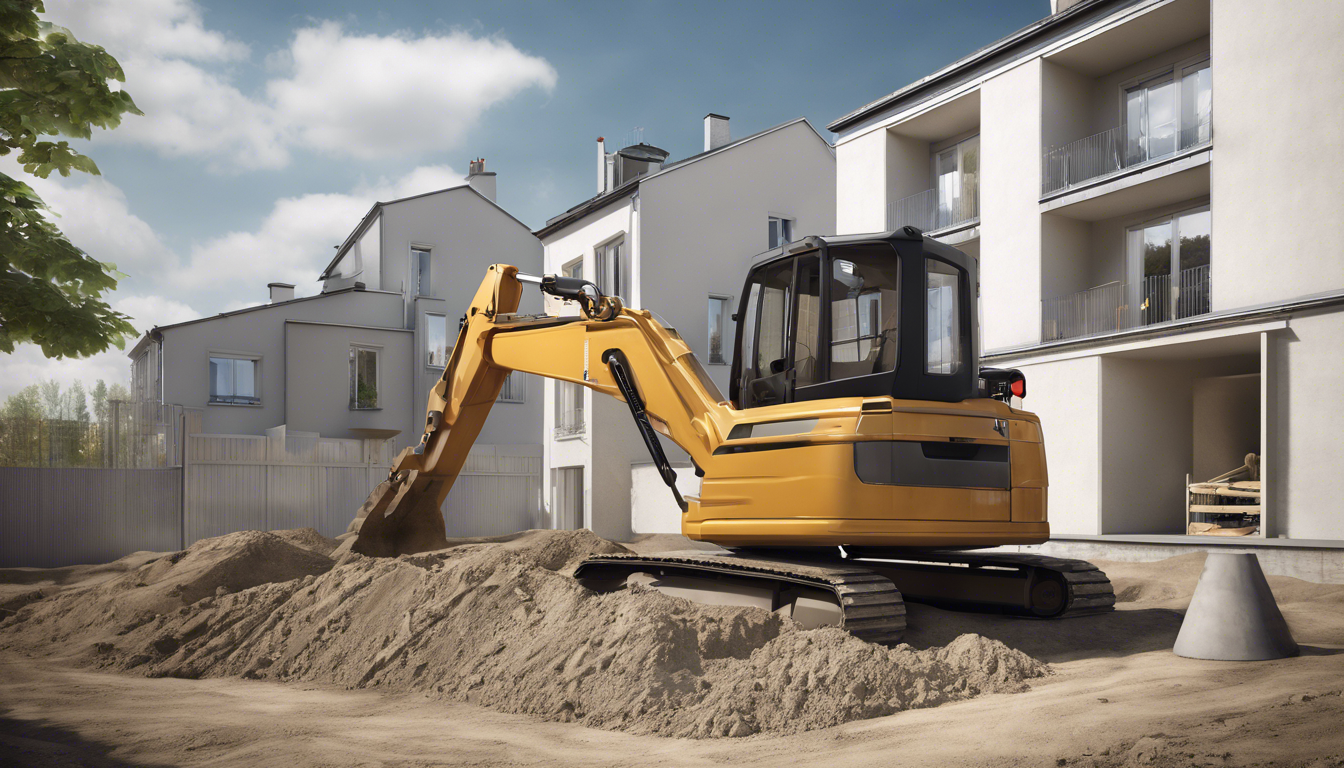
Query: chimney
point(716, 131)
point(280, 292)
point(481, 180)
point(601, 165)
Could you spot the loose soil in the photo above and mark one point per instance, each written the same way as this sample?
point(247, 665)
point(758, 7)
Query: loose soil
point(502, 624)
point(364, 662)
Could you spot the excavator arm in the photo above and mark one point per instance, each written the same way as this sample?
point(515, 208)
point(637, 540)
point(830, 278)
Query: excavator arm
point(610, 349)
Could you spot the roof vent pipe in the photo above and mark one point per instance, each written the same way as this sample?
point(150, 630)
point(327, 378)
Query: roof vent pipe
point(716, 131)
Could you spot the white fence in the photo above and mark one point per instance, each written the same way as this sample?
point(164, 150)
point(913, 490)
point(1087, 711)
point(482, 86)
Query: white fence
point(300, 480)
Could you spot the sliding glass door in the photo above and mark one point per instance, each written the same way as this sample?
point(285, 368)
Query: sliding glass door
point(1169, 268)
point(1169, 112)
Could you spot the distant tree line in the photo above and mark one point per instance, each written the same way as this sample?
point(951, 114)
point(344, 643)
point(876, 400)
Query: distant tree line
point(47, 425)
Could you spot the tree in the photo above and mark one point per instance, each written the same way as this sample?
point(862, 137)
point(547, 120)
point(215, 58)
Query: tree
point(51, 84)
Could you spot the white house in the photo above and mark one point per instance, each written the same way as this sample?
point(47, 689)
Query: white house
point(675, 238)
point(1152, 189)
point(357, 360)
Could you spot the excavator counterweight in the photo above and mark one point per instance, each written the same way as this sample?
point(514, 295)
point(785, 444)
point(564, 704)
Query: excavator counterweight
point(858, 421)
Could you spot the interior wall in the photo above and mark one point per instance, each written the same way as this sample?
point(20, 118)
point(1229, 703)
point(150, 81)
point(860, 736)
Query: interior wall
point(1147, 436)
point(1066, 256)
point(1226, 423)
point(1066, 105)
point(908, 166)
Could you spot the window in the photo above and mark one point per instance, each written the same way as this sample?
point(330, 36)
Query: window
point(956, 171)
point(1170, 112)
point(613, 270)
point(718, 328)
point(573, 268)
point(233, 381)
point(780, 231)
point(568, 409)
point(436, 340)
point(943, 296)
point(420, 262)
point(1196, 105)
point(865, 311)
point(776, 293)
point(514, 389)
point(806, 351)
point(1169, 267)
point(363, 378)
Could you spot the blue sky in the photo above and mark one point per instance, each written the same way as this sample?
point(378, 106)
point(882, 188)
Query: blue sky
point(272, 126)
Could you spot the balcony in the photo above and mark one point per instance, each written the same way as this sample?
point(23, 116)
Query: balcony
point(928, 213)
point(569, 423)
point(1118, 306)
point(1115, 151)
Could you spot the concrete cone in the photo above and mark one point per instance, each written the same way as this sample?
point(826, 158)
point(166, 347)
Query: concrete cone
point(1232, 615)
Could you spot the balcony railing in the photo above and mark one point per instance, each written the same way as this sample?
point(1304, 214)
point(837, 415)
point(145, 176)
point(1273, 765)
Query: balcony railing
point(1119, 307)
point(569, 423)
point(927, 213)
point(1112, 151)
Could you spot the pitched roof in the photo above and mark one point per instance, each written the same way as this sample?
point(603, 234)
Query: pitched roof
point(630, 186)
point(378, 206)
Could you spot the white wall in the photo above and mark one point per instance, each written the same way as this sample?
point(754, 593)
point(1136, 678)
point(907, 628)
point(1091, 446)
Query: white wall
point(1010, 218)
point(861, 184)
point(1066, 395)
point(1278, 150)
point(1304, 453)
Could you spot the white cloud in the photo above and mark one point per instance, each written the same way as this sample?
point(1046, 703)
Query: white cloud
point(371, 96)
point(155, 28)
point(343, 94)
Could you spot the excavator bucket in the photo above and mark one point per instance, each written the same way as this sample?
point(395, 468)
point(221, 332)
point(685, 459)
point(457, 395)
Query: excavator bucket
point(400, 518)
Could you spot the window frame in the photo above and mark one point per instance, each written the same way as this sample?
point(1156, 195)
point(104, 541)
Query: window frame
point(785, 222)
point(416, 281)
point(624, 278)
point(210, 396)
point(1176, 72)
point(726, 313)
point(377, 351)
point(447, 342)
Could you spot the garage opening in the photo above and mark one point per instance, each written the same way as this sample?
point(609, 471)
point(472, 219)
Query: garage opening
point(1174, 415)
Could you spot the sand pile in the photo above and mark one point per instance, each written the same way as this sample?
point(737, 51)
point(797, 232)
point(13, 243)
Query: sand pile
point(501, 624)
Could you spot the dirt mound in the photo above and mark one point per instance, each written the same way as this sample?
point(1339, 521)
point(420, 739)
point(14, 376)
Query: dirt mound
point(210, 567)
point(501, 623)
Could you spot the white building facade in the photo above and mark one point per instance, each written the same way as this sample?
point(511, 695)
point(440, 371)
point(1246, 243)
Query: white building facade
point(1151, 187)
point(674, 238)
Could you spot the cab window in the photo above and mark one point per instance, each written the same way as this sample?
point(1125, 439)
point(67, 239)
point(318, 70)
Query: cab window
point(865, 311)
point(943, 297)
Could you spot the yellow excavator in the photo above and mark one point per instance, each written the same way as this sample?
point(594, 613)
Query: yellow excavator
point(860, 458)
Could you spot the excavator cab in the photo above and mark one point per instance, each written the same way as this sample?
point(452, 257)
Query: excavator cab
point(890, 315)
